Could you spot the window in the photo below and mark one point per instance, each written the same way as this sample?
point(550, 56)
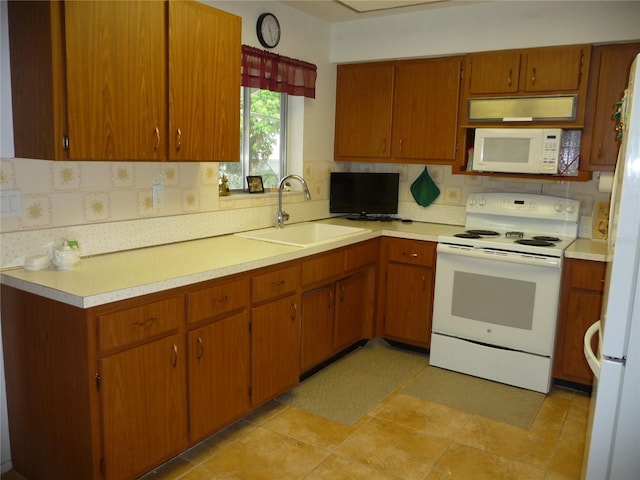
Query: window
point(263, 140)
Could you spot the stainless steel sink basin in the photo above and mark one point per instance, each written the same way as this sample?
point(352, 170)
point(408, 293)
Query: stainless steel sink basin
point(303, 234)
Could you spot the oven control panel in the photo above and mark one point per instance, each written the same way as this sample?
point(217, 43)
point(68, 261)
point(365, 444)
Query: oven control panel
point(523, 204)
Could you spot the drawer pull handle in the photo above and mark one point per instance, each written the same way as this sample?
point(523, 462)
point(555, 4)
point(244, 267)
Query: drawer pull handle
point(178, 139)
point(412, 255)
point(294, 311)
point(174, 363)
point(224, 299)
point(277, 284)
point(200, 348)
point(156, 133)
point(144, 323)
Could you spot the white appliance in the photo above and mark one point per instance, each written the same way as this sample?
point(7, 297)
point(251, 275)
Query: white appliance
point(497, 288)
point(613, 436)
point(517, 150)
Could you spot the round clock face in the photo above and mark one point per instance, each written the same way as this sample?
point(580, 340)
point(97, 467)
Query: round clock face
point(268, 30)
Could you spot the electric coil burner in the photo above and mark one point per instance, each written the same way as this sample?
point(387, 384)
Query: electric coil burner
point(497, 288)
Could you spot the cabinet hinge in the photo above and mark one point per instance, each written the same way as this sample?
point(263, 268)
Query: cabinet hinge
point(65, 142)
point(98, 378)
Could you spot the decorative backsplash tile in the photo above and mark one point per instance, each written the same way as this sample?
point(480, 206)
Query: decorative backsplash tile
point(109, 205)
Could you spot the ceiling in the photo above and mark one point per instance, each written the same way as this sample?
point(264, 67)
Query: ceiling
point(345, 10)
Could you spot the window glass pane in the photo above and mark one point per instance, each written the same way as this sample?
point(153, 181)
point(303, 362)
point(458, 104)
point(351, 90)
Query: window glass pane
point(262, 139)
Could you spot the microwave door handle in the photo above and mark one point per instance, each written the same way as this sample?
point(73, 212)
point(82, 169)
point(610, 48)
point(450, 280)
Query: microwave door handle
point(592, 359)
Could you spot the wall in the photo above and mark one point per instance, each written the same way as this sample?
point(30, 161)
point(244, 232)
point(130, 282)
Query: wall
point(104, 205)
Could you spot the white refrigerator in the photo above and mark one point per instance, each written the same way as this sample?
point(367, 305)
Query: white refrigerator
point(613, 435)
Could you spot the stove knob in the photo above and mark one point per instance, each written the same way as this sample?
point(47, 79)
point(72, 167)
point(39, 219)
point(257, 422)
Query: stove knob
point(472, 201)
point(571, 208)
point(483, 202)
point(559, 207)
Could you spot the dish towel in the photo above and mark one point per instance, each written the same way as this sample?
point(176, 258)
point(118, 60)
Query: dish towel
point(424, 189)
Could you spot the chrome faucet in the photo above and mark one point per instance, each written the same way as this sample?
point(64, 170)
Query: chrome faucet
point(283, 216)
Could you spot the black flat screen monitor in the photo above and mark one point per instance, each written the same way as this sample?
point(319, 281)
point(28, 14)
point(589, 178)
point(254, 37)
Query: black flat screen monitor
point(364, 195)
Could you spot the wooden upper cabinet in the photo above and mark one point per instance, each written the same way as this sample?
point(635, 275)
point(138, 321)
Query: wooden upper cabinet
point(531, 71)
point(106, 82)
point(556, 68)
point(494, 72)
point(397, 111)
point(364, 100)
point(116, 85)
point(204, 83)
point(425, 109)
point(608, 79)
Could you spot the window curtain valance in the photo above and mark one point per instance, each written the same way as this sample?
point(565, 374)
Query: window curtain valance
point(270, 71)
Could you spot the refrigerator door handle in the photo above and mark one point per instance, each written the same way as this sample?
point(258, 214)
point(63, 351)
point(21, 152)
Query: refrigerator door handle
point(592, 359)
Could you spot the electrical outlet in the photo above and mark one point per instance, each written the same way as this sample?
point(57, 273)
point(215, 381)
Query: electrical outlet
point(157, 195)
point(10, 203)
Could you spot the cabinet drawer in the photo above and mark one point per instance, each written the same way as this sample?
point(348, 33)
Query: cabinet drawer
point(275, 283)
point(137, 323)
point(413, 252)
point(587, 274)
point(329, 265)
point(360, 255)
point(218, 300)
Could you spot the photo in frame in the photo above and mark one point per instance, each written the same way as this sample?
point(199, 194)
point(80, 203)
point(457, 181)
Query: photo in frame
point(254, 183)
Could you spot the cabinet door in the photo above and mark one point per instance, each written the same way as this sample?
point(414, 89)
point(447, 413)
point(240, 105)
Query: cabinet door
point(409, 298)
point(316, 335)
point(554, 68)
point(580, 307)
point(493, 72)
point(144, 404)
point(425, 110)
point(204, 81)
point(219, 374)
point(352, 308)
point(275, 348)
point(116, 80)
point(609, 77)
point(363, 111)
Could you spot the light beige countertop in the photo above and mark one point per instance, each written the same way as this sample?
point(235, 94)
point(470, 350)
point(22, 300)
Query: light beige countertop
point(585, 249)
point(117, 276)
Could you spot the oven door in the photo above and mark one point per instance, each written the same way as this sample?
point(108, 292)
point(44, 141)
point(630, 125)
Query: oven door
point(498, 298)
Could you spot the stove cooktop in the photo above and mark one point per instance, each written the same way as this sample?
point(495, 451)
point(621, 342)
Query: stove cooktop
point(523, 242)
point(526, 223)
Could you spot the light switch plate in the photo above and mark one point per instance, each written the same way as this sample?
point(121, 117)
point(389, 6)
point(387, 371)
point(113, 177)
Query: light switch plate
point(10, 203)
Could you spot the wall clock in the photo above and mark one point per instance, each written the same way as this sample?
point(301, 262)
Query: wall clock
point(268, 30)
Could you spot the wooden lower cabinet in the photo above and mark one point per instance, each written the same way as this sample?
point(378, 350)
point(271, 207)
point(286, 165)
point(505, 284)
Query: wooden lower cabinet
point(351, 310)
point(144, 420)
point(408, 285)
point(275, 347)
point(219, 374)
point(337, 301)
point(316, 334)
point(580, 307)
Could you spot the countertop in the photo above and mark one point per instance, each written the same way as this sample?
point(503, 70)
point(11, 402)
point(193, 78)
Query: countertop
point(117, 276)
point(586, 249)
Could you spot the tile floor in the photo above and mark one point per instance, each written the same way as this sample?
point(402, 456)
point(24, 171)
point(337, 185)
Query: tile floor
point(401, 438)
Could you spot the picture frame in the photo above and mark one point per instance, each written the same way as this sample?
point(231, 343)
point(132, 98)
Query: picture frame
point(254, 184)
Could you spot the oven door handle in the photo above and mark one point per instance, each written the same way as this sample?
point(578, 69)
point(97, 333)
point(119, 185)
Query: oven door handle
point(500, 255)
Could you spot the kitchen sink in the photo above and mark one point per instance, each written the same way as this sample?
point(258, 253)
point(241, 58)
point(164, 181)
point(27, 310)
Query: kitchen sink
point(304, 234)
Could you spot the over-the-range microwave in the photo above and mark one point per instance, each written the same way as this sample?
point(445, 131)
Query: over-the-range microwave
point(517, 150)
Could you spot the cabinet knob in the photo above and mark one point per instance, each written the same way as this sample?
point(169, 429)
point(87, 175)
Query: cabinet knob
point(533, 76)
point(509, 77)
point(200, 348)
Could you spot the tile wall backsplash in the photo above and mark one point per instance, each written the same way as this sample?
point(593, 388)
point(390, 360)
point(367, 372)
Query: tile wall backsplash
point(109, 205)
